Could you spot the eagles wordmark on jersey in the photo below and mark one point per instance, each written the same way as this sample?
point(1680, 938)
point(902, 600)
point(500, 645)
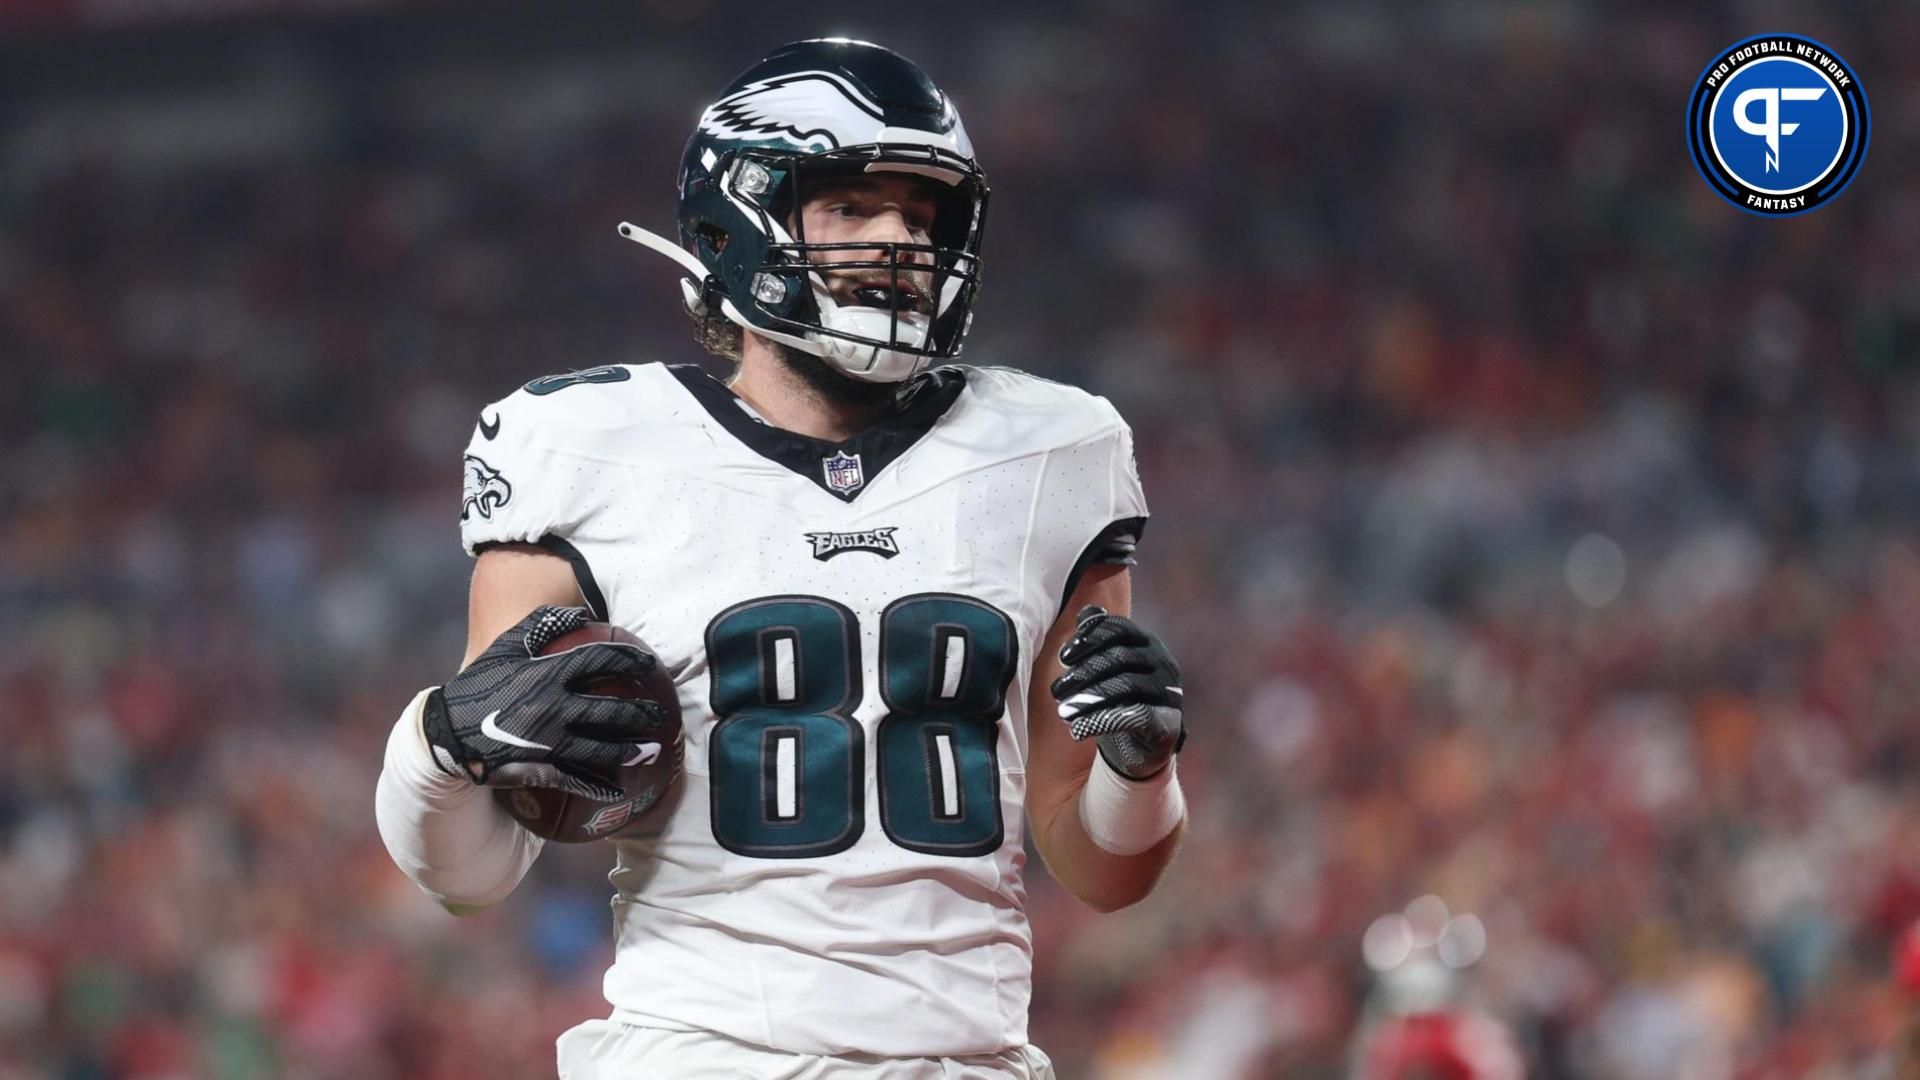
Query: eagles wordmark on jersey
point(848, 829)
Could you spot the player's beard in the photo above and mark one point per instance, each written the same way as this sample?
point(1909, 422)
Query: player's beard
point(831, 385)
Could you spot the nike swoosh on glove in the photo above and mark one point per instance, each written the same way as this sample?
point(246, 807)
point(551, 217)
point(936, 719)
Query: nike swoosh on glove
point(514, 718)
point(1122, 689)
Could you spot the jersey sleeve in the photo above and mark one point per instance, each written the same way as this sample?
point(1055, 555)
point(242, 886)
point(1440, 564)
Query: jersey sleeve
point(1097, 507)
point(1115, 543)
point(525, 483)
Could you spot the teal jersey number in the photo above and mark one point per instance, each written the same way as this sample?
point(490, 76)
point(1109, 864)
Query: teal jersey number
point(945, 662)
point(787, 759)
point(547, 384)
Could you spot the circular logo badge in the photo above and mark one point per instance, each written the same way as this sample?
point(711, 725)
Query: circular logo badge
point(1778, 124)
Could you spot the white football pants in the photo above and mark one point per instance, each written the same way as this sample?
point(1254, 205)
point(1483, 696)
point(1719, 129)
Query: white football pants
point(610, 1050)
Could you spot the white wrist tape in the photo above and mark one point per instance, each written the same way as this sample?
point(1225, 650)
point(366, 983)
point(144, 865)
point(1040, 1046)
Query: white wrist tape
point(1126, 817)
point(410, 758)
point(442, 831)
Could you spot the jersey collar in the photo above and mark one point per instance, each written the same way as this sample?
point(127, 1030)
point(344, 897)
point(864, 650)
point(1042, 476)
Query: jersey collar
point(841, 469)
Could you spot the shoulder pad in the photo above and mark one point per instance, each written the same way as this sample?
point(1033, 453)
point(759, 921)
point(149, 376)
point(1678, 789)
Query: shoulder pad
point(553, 408)
point(1070, 413)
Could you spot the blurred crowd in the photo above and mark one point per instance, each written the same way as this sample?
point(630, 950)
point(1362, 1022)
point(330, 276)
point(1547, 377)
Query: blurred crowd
point(1537, 530)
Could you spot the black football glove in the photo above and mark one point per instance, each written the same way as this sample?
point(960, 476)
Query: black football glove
point(1121, 688)
point(514, 718)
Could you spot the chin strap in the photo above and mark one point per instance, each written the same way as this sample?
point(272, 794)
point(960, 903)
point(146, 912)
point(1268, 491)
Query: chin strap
point(698, 284)
point(656, 242)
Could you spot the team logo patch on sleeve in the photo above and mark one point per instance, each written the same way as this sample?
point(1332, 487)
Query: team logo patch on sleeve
point(879, 541)
point(484, 491)
point(844, 474)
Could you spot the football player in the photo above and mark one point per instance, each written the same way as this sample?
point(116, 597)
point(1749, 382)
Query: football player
point(892, 592)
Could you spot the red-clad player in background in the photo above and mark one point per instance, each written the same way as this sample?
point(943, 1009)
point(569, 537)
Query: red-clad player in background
point(1420, 1023)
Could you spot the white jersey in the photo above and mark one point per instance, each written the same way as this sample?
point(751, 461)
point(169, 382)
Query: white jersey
point(852, 628)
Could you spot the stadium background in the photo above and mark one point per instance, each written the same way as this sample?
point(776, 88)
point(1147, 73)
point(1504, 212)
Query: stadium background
point(1536, 528)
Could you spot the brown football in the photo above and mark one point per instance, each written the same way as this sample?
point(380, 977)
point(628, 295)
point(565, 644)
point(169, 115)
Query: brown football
point(649, 775)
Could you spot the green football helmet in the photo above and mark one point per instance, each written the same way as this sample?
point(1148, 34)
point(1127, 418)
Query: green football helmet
point(812, 111)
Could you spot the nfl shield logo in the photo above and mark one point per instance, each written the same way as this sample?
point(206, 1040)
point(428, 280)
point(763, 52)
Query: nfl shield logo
point(844, 475)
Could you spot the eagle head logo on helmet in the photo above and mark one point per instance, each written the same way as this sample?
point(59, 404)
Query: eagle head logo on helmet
point(813, 110)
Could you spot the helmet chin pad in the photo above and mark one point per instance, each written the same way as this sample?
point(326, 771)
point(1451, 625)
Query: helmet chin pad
point(856, 360)
point(868, 363)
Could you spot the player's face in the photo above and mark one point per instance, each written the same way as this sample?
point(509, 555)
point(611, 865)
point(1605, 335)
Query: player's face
point(877, 209)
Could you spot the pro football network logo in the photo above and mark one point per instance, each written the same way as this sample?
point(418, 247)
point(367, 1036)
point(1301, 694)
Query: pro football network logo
point(879, 541)
point(484, 491)
point(1778, 124)
point(843, 472)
